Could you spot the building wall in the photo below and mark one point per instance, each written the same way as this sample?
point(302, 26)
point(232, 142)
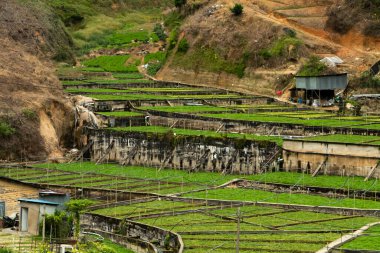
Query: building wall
point(35, 212)
point(342, 159)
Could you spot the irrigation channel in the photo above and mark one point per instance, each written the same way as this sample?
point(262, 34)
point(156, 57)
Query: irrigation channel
point(179, 168)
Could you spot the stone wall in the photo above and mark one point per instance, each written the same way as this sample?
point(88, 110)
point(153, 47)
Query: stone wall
point(341, 159)
point(163, 239)
point(180, 152)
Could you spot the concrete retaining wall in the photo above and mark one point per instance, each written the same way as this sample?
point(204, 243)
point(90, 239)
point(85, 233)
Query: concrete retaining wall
point(163, 239)
point(187, 153)
point(342, 159)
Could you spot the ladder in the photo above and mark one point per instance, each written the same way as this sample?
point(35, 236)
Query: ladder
point(372, 171)
point(82, 152)
point(319, 167)
point(108, 150)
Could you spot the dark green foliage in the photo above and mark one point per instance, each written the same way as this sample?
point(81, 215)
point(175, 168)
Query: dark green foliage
point(183, 46)
point(179, 3)
point(173, 20)
point(76, 207)
point(237, 10)
point(6, 129)
point(160, 32)
point(58, 225)
point(153, 68)
point(313, 67)
point(5, 250)
point(173, 38)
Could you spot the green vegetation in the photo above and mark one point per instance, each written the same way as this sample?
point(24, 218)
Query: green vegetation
point(369, 240)
point(76, 207)
point(115, 63)
point(305, 180)
point(341, 138)
point(237, 10)
point(186, 109)
point(58, 225)
point(313, 67)
point(121, 114)
point(160, 31)
point(179, 3)
point(6, 129)
point(191, 132)
point(210, 60)
point(155, 61)
point(183, 46)
point(290, 120)
point(89, 90)
point(285, 198)
point(280, 47)
point(127, 75)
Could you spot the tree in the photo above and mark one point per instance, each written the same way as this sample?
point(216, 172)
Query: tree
point(237, 10)
point(76, 207)
point(179, 3)
point(160, 32)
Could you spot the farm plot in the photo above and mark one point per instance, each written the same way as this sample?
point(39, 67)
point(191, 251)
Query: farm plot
point(290, 120)
point(262, 229)
point(186, 109)
point(242, 194)
point(191, 132)
point(342, 138)
point(122, 114)
point(369, 240)
point(155, 97)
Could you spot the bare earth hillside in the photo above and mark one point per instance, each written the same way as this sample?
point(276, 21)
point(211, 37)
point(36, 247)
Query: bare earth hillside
point(262, 23)
point(32, 102)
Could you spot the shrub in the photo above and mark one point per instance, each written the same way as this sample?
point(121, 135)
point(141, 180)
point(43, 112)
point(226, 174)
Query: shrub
point(313, 67)
point(279, 47)
point(172, 40)
point(6, 129)
point(183, 46)
point(5, 250)
point(29, 114)
point(237, 10)
point(179, 3)
point(160, 32)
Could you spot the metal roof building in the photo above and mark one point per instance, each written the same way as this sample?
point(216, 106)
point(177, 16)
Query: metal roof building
point(326, 82)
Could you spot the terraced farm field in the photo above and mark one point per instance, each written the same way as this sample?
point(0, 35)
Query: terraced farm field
point(212, 227)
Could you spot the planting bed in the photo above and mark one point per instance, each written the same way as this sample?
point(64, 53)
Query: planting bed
point(204, 227)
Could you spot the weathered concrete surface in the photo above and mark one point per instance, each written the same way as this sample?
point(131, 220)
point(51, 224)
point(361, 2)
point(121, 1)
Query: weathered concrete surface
point(143, 232)
point(187, 153)
point(342, 159)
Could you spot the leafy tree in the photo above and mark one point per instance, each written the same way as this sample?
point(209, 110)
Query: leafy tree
point(76, 207)
point(313, 67)
point(160, 32)
point(237, 10)
point(179, 3)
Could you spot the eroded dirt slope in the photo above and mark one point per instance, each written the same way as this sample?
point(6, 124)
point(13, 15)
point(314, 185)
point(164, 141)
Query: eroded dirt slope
point(31, 99)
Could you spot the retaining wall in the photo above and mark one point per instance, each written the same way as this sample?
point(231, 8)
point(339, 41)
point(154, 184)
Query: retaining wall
point(342, 159)
point(180, 152)
point(164, 239)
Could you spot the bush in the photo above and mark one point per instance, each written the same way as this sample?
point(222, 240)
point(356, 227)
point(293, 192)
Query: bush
point(179, 3)
point(183, 46)
point(237, 10)
point(5, 250)
point(29, 114)
point(313, 67)
point(160, 32)
point(6, 129)
point(279, 47)
point(172, 40)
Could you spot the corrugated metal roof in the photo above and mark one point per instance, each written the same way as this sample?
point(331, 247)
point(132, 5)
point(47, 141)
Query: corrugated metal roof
point(39, 201)
point(328, 82)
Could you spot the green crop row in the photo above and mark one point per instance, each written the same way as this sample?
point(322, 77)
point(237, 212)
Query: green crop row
point(285, 198)
point(192, 132)
point(114, 63)
point(123, 114)
point(186, 109)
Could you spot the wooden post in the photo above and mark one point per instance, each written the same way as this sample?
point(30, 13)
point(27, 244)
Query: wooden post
point(238, 231)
